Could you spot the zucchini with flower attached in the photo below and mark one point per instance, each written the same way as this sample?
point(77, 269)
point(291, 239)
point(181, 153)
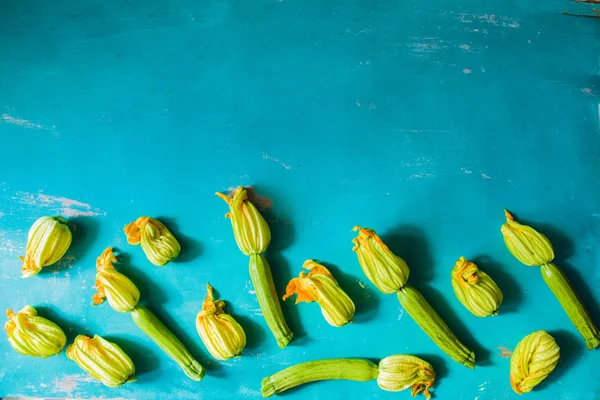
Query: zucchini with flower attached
point(394, 373)
point(389, 274)
point(123, 296)
point(534, 249)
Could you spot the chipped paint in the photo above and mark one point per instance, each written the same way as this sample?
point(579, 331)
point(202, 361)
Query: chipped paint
point(24, 123)
point(59, 205)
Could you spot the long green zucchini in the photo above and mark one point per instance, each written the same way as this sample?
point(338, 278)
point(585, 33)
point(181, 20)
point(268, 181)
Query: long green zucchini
point(562, 289)
point(425, 316)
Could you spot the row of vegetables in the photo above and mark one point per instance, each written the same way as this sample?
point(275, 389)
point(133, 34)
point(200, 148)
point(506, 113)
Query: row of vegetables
point(534, 358)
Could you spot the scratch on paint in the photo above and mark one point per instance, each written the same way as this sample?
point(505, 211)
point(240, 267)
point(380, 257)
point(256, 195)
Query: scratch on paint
point(485, 176)
point(466, 171)
point(481, 389)
point(401, 314)
point(23, 123)
point(62, 205)
point(467, 71)
point(265, 156)
point(361, 284)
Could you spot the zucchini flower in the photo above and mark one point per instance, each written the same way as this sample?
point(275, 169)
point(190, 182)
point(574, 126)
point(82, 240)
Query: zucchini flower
point(252, 234)
point(220, 332)
point(352, 369)
point(534, 358)
point(102, 359)
point(401, 372)
point(121, 293)
point(384, 269)
point(158, 243)
point(534, 249)
point(475, 289)
point(48, 240)
point(320, 286)
point(525, 243)
point(32, 335)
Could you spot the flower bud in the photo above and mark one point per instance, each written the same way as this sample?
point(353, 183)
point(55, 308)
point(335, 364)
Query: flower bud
point(48, 240)
point(121, 293)
point(320, 286)
point(32, 335)
point(158, 243)
point(220, 332)
point(534, 358)
point(384, 269)
point(102, 359)
point(525, 243)
point(252, 234)
point(401, 371)
point(475, 289)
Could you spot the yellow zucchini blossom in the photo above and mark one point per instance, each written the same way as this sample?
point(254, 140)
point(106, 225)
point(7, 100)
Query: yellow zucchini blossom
point(534, 358)
point(48, 240)
point(32, 335)
point(220, 332)
point(399, 372)
point(320, 286)
point(384, 269)
point(158, 243)
point(102, 359)
point(525, 243)
point(121, 293)
point(251, 231)
point(475, 289)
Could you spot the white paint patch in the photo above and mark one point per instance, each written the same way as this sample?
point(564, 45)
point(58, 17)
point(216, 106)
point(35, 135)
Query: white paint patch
point(8, 246)
point(60, 205)
point(467, 71)
point(492, 19)
point(24, 123)
point(421, 45)
point(265, 156)
point(465, 47)
point(485, 176)
point(587, 91)
point(245, 391)
point(69, 383)
point(466, 171)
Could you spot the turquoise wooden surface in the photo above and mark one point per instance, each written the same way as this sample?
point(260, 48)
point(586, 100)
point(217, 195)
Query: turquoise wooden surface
point(421, 120)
